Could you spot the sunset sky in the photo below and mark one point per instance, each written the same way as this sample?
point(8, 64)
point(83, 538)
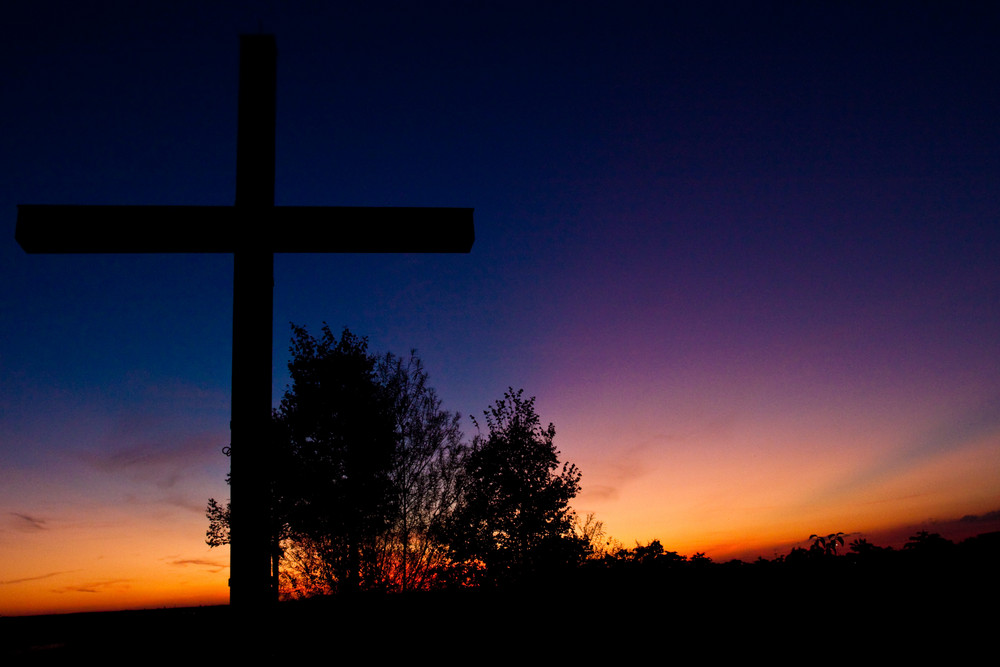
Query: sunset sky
point(745, 257)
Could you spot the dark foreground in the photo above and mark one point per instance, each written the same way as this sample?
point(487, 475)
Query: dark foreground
point(786, 620)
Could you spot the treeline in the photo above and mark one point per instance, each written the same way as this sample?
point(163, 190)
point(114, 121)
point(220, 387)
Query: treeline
point(921, 549)
point(375, 488)
point(927, 567)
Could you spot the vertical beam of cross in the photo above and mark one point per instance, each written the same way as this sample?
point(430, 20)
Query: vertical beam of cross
point(253, 304)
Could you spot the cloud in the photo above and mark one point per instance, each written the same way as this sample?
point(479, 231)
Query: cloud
point(212, 566)
point(944, 439)
point(150, 455)
point(96, 586)
point(169, 480)
point(981, 518)
point(35, 578)
point(198, 561)
point(166, 468)
point(605, 479)
point(599, 492)
point(130, 459)
point(186, 503)
point(28, 522)
point(617, 472)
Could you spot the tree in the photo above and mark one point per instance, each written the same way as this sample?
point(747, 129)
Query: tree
point(427, 459)
point(217, 534)
point(828, 544)
point(651, 554)
point(514, 518)
point(336, 423)
point(365, 465)
point(591, 532)
point(929, 549)
point(699, 559)
point(926, 542)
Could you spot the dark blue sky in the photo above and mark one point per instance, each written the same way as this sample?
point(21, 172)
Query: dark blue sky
point(745, 254)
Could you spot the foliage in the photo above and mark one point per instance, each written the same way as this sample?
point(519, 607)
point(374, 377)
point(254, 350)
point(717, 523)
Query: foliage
point(591, 533)
point(700, 559)
point(649, 554)
point(926, 542)
point(365, 465)
point(335, 423)
point(217, 534)
point(373, 486)
point(861, 545)
point(425, 475)
point(828, 544)
point(514, 516)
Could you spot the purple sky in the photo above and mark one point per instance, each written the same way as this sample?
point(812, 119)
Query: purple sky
point(745, 256)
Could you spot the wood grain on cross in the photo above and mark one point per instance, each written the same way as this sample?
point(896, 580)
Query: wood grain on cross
point(252, 230)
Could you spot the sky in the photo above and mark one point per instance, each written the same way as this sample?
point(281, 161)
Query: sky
point(744, 255)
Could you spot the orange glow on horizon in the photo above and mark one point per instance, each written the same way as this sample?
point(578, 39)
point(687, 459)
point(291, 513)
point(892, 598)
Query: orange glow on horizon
point(737, 489)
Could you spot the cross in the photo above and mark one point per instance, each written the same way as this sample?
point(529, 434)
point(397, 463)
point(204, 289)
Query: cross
point(253, 230)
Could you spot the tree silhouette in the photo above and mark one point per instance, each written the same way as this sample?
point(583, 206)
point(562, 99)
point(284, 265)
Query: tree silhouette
point(365, 468)
point(217, 534)
point(591, 532)
point(827, 545)
point(862, 546)
point(926, 542)
point(925, 549)
point(514, 518)
point(699, 559)
point(426, 465)
point(335, 422)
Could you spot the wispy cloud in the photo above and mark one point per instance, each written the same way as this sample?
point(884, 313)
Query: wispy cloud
point(618, 472)
point(213, 565)
point(194, 561)
point(163, 467)
point(131, 459)
point(96, 586)
point(945, 439)
point(185, 502)
point(28, 522)
point(147, 452)
point(35, 578)
point(600, 492)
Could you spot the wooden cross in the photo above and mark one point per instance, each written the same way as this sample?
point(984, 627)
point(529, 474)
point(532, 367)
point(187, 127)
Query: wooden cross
point(253, 230)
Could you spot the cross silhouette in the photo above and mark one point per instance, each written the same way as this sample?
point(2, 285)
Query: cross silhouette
point(253, 230)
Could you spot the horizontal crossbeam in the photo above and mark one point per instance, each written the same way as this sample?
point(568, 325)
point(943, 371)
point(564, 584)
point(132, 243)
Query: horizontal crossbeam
point(226, 229)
